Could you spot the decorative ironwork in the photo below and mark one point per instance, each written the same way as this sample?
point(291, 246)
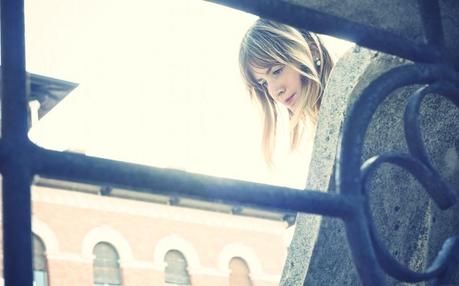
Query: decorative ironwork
point(367, 249)
point(20, 159)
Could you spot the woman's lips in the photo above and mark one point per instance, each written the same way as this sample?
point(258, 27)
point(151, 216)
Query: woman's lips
point(289, 100)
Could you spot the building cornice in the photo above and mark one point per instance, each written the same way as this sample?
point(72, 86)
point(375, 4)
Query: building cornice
point(74, 199)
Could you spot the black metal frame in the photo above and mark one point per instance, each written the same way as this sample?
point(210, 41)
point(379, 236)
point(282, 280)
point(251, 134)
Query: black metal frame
point(20, 159)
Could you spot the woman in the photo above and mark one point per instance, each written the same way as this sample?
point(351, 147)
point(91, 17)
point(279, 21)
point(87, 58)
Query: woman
point(284, 66)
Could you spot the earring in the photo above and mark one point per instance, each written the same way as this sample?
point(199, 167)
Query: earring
point(317, 62)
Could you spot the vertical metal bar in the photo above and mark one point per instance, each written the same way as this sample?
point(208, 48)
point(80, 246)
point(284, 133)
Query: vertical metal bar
point(17, 243)
point(362, 251)
point(431, 21)
point(14, 101)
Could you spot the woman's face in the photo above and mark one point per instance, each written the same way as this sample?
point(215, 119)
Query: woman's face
point(282, 82)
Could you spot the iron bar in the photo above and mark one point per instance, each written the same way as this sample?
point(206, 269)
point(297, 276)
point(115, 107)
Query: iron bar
point(319, 22)
point(363, 254)
point(411, 116)
point(14, 101)
point(431, 21)
point(17, 238)
point(17, 227)
point(78, 167)
point(439, 191)
point(449, 252)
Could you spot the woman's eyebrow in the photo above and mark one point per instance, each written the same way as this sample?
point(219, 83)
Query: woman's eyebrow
point(267, 72)
point(269, 69)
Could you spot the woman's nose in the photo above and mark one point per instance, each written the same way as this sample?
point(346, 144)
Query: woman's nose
point(276, 90)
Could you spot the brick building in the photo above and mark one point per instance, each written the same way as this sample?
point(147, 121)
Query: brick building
point(149, 243)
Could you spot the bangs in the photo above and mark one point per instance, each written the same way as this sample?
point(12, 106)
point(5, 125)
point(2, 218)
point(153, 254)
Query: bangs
point(258, 54)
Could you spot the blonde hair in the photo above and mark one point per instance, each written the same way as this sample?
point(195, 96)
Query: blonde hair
point(268, 43)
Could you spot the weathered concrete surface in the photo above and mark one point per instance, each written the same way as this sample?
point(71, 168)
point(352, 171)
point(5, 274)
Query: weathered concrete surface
point(345, 78)
point(411, 226)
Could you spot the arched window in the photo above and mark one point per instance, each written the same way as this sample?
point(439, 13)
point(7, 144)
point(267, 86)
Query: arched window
point(239, 272)
point(40, 265)
point(106, 265)
point(176, 269)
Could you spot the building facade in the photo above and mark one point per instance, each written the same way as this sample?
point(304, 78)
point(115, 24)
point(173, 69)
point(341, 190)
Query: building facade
point(88, 239)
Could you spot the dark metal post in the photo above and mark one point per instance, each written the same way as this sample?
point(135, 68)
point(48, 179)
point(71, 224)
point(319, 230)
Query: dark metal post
point(17, 246)
point(431, 21)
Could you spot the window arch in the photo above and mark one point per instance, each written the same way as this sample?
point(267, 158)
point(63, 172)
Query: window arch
point(176, 273)
point(40, 263)
point(239, 272)
point(106, 265)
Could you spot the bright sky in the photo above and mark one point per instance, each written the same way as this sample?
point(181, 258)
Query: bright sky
point(159, 85)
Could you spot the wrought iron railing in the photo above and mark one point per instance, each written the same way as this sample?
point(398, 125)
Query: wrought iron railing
point(20, 159)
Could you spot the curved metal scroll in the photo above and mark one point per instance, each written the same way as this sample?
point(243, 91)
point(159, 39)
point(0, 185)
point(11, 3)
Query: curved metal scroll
point(370, 256)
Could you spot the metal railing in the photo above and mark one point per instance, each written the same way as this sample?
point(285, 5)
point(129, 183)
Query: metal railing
point(20, 159)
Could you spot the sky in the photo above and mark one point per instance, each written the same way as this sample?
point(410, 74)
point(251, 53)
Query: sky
point(159, 85)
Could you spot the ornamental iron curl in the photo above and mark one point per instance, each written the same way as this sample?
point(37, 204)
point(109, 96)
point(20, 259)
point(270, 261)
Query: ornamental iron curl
point(367, 249)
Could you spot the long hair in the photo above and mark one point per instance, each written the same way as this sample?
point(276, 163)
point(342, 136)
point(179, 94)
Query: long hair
point(268, 43)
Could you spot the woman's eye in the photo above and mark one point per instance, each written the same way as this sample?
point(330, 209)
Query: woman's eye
point(278, 70)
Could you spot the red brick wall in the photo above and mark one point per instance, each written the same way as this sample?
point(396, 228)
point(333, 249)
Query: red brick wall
point(71, 216)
